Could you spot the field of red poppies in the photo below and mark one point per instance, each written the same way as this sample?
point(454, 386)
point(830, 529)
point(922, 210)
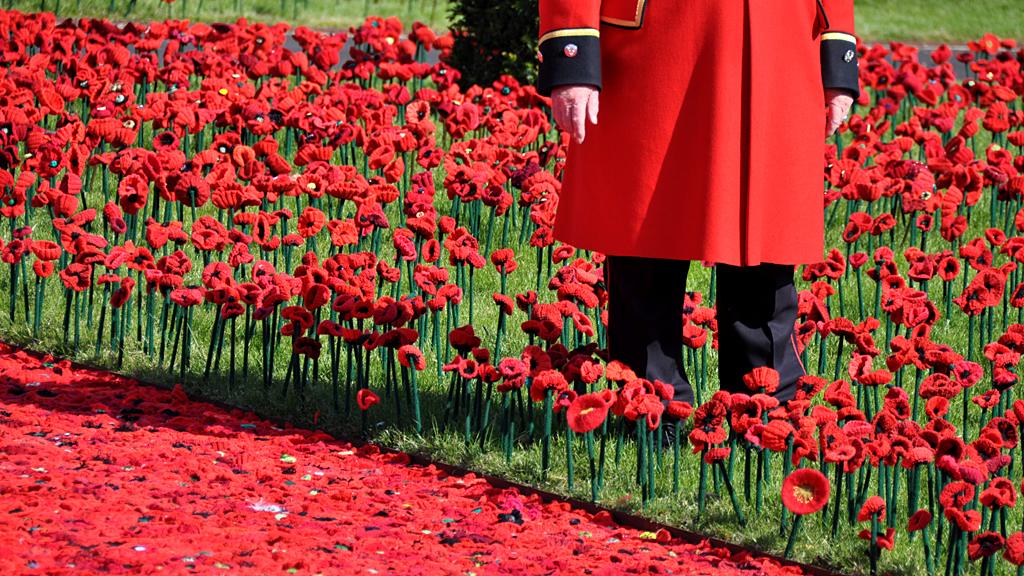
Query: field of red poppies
point(339, 229)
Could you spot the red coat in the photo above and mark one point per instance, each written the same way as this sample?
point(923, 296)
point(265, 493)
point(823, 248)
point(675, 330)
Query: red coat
point(710, 138)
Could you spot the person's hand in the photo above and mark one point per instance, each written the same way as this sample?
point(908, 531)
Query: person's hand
point(838, 103)
point(571, 105)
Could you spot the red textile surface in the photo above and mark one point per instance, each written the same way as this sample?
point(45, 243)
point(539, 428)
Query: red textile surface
point(102, 474)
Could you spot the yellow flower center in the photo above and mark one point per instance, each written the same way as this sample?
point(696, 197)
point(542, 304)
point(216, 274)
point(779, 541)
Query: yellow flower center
point(803, 494)
point(586, 411)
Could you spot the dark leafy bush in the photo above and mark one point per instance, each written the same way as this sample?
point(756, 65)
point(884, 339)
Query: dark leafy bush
point(494, 38)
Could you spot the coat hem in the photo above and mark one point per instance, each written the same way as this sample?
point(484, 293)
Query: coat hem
point(792, 260)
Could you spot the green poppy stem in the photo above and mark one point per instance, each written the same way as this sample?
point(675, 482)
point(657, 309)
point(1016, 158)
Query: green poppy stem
point(929, 565)
point(545, 458)
point(736, 507)
point(702, 484)
point(873, 551)
point(759, 482)
point(965, 397)
point(417, 417)
point(589, 439)
point(792, 537)
point(569, 438)
point(839, 490)
point(676, 431)
point(641, 462)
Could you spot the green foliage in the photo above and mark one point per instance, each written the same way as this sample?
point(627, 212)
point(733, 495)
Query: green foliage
point(494, 38)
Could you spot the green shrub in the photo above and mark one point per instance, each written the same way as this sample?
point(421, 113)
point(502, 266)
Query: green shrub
point(494, 38)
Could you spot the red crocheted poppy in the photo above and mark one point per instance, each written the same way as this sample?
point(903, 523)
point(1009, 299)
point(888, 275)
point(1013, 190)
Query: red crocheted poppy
point(805, 491)
point(919, 520)
point(586, 413)
point(366, 399)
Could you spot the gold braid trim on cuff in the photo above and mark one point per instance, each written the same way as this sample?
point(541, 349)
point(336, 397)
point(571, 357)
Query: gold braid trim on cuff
point(570, 32)
point(839, 36)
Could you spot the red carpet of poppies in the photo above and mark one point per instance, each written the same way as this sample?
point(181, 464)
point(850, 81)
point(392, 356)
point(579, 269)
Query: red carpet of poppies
point(101, 474)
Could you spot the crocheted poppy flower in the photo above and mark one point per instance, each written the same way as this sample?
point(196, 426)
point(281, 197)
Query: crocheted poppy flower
point(1000, 493)
point(513, 372)
point(984, 545)
point(468, 368)
point(808, 386)
point(366, 399)
point(192, 190)
point(310, 222)
point(805, 491)
point(716, 455)
point(762, 379)
point(617, 371)
point(43, 269)
point(948, 268)
point(919, 520)
point(987, 400)
point(547, 380)
point(679, 410)
point(873, 507)
point(463, 339)
point(694, 336)
point(411, 356)
point(936, 407)
point(956, 494)
point(586, 413)
point(132, 193)
point(1013, 550)
point(884, 541)
point(591, 372)
point(505, 303)
point(563, 400)
point(967, 521)
point(504, 260)
point(45, 250)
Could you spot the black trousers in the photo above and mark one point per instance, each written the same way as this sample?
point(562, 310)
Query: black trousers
point(756, 311)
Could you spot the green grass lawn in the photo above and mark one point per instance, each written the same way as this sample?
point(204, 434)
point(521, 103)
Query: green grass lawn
point(877, 20)
point(938, 20)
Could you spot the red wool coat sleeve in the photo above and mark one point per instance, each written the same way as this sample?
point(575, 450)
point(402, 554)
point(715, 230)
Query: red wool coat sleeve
point(838, 45)
point(570, 50)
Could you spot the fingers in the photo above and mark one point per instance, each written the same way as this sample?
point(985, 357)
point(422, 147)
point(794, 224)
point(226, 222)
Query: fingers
point(570, 108)
point(559, 105)
point(837, 114)
point(578, 115)
point(559, 113)
point(833, 121)
point(839, 103)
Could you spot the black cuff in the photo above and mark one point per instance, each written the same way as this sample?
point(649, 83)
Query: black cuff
point(571, 59)
point(839, 65)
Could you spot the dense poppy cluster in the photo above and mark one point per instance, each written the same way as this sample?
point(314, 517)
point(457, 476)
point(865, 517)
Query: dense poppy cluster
point(212, 202)
point(103, 475)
